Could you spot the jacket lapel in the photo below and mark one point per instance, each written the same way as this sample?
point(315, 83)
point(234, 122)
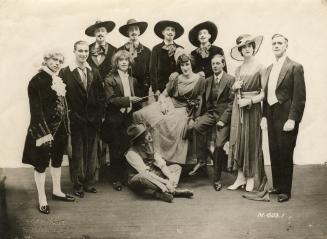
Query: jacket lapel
point(283, 71)
point(266, 77)
point(209, 86)
point(221, 85)
point(119, 83)
point(77, 78)
point(131, 85)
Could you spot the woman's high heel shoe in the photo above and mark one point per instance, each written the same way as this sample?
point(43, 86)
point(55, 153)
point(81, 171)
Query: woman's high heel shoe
point(236, 186)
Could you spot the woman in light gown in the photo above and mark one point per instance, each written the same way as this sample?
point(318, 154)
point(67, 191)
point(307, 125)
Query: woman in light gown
point(169, 117)
point(245, 154)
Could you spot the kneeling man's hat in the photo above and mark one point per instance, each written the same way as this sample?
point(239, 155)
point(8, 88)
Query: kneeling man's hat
point(160, 26)
point(109, 25)
point(193, 35)
point(134, 131)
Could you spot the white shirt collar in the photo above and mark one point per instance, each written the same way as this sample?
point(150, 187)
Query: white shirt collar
point(122, 74)
point(74, 65)
point(97, 45)
point(218, 78)
point(50, 72)
point(281, 60)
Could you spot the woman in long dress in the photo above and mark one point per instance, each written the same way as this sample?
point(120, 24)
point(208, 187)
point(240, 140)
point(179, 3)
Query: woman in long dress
point(246, 154)
point(169, 117)
point(47, 135)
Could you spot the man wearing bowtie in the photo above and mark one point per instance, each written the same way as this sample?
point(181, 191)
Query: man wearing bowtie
point(101, 51)
point(139, 53)
point(283, 109)
point(162, 62)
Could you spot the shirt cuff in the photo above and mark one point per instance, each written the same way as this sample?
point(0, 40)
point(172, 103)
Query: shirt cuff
point(43, 140)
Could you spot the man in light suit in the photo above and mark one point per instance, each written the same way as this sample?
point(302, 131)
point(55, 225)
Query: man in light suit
point(85, 98)
point(218, 102)
point(283, 110)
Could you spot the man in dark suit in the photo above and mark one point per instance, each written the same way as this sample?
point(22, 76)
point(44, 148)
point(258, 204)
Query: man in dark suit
point(218, 102)
point(202, 36)
point(283, 110)
point(101, 51)
point(85, 98)
point(140, 54)
point(162, 63)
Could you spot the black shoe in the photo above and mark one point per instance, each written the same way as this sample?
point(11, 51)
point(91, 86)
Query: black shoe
point(166, 197)
point(274, 191)
point(117, 185)
point(186, 193)
point(44, 209)
point(79, 193)
point(90, 190)
point(66, 198)
point(217, 186)
point(283, 197)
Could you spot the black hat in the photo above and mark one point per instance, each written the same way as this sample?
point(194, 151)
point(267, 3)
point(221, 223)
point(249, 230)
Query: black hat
point(109, 25)
point(160, 26)
point(194, 32)
point(132, 22)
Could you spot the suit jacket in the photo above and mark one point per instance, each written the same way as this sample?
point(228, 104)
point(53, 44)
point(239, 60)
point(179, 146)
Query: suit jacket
point(86, 105)
point(204, 64)
point(222, 110)
point(105, 66)
point(161, 66)
point(290, 89)
point(141, 69)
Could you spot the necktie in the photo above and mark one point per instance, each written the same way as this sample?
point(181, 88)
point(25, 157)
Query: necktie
point(83, 76)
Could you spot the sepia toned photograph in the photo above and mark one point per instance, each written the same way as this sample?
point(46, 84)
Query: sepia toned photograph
point(168, 119)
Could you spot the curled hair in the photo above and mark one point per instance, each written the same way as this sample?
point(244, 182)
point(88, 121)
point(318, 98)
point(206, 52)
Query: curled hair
point(52, 54)
point(119, 55)
point(252, 43)
point(185, 58)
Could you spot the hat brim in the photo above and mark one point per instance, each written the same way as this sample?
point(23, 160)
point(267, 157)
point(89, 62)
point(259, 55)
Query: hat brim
point(160, 26)
point(236, 55)
point(194, 32)
point(142, 26)
point(109, 25)
point(137, 135)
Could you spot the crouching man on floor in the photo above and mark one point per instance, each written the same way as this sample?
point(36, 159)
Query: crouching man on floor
point(147, 171)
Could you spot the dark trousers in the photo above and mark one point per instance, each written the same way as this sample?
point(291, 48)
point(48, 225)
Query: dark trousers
point(281, 147)
point(84, 152)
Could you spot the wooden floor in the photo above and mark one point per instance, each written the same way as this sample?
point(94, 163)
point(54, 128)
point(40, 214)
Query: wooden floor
point(210, 214)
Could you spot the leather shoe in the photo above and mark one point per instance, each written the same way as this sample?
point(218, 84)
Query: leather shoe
point(44, 209)
point(79, 193)
point(273, 191)
point(166, 197)
point(283, 197)
point(217, 186)
point(185, 193)
point(66, 198)
point(90, 190)
point(117, 185)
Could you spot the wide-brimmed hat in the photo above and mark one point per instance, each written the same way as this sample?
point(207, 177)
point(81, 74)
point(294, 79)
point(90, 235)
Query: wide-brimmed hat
point(243, 40)
point(134, 131)
point(132, 22)
point(193, 35)
point(109, 25)
point(160, 26)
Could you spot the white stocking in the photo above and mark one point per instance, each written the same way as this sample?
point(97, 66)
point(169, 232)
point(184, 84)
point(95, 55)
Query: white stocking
point(40, 184)
point(56, 188)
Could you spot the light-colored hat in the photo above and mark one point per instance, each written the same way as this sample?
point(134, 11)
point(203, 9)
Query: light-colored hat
point(243, 40)
point(109, 25)
point(134, 131)
point(132, 22)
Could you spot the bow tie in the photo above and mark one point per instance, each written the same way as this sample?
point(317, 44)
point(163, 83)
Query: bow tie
point(171, 48)
point(203, 51)
point(100, 50)
point(133, 49)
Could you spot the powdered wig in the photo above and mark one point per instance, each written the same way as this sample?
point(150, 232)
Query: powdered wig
point(52, 54)
point(120, 55)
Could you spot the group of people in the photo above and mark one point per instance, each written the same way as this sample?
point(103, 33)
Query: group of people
point(200, 113)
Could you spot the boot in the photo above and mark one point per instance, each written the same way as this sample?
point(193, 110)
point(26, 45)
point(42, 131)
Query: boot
point(239, 182)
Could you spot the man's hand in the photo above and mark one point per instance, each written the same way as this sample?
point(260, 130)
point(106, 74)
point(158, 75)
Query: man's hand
point(220, 124)
point(263, 123)
point(135, 99)
point(289, 125)
point(201, 73)
point(243, 102)
point(157, 94)
point(170, 186)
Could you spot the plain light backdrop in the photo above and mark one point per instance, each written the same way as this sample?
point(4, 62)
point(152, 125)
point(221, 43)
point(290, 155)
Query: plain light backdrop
point(31, 27)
